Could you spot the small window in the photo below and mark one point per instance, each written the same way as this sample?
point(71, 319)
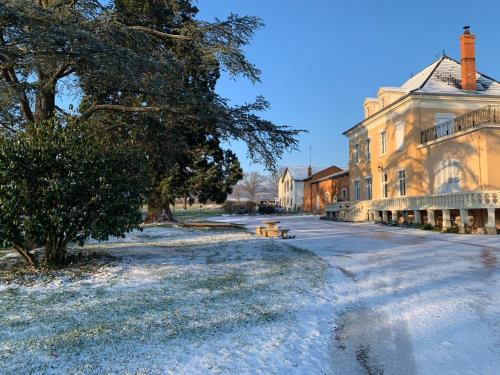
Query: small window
point(343, 194)
point(327, 197)
point(402, 182)
point(384, 178)
point(369, 189)
point(368, 153)
point(383, 142)
point(357, 190)
point(356, 153)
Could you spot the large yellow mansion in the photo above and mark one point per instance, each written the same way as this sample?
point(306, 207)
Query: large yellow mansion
point(429, 150)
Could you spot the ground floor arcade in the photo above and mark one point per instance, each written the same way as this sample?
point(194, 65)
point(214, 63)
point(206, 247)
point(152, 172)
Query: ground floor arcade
point(466, 220)
point(476, 212)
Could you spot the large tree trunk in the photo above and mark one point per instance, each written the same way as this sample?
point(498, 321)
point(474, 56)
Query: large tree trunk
point(27, 256)
point(55, 251)
point(159, 215)
point(45, 103)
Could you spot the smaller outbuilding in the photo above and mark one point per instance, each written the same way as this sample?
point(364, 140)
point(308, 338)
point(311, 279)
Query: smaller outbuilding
point(330, 185)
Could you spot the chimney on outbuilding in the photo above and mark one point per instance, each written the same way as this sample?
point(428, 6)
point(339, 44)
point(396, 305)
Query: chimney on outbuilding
point(309, 171)
point(467, 41)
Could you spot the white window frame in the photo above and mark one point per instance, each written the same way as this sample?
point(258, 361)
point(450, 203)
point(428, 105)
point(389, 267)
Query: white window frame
point(399, 182)
point(383, 142)
point(368, 188)
point(384, 180)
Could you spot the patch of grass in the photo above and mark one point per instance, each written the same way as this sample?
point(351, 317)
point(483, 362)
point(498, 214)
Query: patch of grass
point(14, 270)
point(192, 214)
point(217, 289)
point(224, 281)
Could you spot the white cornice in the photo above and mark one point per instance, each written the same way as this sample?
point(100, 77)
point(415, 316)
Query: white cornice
point(426, 100)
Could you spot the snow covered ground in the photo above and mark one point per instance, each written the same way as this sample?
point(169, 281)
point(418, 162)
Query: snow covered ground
point(407, 301)
point(339, 299)
point(174, 301)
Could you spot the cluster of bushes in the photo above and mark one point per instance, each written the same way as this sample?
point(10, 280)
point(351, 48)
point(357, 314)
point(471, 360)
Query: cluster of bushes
point(63, 184)
point(239, 208)
point(266, 209)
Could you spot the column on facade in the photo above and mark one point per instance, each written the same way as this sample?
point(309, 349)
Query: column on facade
point(385, 216)
point(395, 216)
point(446, 219)
point(416, 217)
point(431, 218)
point(491, 226)
point(464, 215)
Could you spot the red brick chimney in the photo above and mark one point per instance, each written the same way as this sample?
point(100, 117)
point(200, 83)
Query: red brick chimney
point(467, 41)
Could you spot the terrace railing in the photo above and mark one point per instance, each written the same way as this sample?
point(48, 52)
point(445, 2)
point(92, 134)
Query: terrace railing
point(485, 115)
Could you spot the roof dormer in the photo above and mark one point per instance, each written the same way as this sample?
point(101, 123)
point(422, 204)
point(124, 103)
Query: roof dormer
point(388, 95)
point(371, 106)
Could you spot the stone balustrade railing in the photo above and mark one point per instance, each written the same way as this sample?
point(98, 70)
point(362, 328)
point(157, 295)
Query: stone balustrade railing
point(464, 200)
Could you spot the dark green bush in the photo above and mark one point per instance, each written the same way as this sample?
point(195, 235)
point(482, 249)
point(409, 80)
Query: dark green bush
point(60, 184)
point(240, 208)
point(427, 226)
point(266, 209)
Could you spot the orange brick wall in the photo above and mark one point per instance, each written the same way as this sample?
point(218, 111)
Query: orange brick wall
point(314, 188)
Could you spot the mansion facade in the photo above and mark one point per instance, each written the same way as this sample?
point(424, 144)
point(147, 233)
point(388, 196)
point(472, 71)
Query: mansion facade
point(428, 151)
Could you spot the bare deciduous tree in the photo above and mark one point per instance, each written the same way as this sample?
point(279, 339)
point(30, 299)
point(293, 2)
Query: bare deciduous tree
point(251, 184)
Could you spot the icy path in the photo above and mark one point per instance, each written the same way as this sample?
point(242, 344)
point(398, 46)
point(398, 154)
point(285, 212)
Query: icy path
point(407, 301)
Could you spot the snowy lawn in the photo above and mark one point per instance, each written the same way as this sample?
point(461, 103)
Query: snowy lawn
point(406, 301)
point(172, 300)
point(339, 299)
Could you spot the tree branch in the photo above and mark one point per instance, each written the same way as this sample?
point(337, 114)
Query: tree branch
point(117, 108)
point(159, 33)
point(123, 108)
point(10, 76)
point(63, 71)
point(8, 127)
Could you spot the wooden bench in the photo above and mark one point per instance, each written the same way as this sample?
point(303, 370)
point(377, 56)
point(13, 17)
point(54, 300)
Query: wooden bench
point(285, 235)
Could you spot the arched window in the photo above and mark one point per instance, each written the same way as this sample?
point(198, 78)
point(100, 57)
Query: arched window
point(327, 197)
point(447, 176)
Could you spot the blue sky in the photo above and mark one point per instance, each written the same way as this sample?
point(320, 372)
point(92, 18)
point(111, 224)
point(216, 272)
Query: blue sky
point(321, 58)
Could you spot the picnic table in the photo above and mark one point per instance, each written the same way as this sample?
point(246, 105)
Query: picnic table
point(271, 229)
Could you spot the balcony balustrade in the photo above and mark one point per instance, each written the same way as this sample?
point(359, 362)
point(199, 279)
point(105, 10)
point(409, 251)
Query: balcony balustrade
point(486, 115)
